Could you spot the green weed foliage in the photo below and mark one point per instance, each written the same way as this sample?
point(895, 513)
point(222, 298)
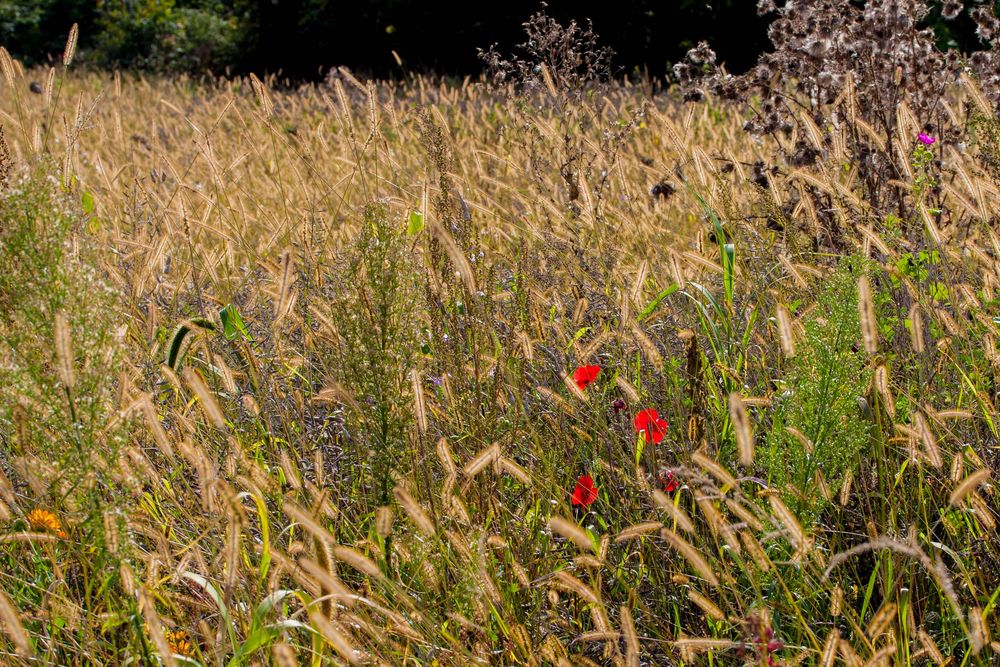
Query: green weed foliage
point(820, 396)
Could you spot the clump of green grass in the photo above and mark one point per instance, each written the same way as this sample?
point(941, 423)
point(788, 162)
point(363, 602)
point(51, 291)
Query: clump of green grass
point(819, 421)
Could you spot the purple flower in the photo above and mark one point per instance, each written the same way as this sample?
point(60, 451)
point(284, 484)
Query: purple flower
point(925, 139)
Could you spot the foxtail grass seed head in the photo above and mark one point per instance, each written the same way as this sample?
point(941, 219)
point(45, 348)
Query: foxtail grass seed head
point(866, 311)
point(14, 629)
point(785, 333)
point(70, 50)
point(916, 329)
point(572, 531)
point(64, 351)
point(741, 425)
point(691, 555)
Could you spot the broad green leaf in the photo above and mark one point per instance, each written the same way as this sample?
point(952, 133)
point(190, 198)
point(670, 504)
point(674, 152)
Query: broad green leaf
point(415, 224)
point(232, 323)
point(87, 200)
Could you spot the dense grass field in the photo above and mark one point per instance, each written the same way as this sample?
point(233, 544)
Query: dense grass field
point(436, 374)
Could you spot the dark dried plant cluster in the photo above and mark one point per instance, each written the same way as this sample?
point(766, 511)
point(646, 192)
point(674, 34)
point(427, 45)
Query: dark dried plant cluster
point(868, 66)
point(571, 55)
point(561, 72)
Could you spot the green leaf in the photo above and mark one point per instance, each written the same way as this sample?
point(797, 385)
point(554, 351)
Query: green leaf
point(232, 323)
point(728, 266)
point(415, 224)
point(216, 596)
point(939, 292)
point(88, 203)
point(648, 310)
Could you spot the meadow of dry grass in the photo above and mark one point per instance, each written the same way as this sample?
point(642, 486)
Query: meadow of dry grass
point(288, 377)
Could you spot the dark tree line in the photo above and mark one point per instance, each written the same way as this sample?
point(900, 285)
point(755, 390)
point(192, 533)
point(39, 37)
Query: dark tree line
point(303, 38)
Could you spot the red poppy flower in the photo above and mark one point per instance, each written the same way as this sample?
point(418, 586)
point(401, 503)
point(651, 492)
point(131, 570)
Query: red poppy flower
point(584, 375)
point(669, 482)
point(585, 491)
point(650, 426)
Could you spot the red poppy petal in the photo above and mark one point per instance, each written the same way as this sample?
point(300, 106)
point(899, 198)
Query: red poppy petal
point(643, 419)
point(584, 375)
point(585, 492)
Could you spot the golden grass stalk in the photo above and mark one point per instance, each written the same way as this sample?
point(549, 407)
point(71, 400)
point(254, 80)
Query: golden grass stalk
point(573, 388)
point(983, 512)
point(830, 649)
point(263, 99)
point(632, 646)
point(691, 555)
point(64, 351)
point(785, 333)
point(446, 458)
point(556, 400)
point(338, 640)
point(383, 521)
point(972, 481)
point(304, 518)
point(757, 553)
point(787, 520)
point(845, 488)
point(647, 346)
point(70, 50)
point(486, 456)
point(455, 254)
point(881, 620)
point(715, 470)
point(154, 627)
point(330, 587)
point(637, 530)
point(744, 514)
point(979, 634)
point(153, 424)
point(563, 580)
point(695, 645)
point(571, 531)
point(417, 514)
point(882, 386)
point(678, 515)
point(931, 451)
point(930, 647)
point(706, 605)
point(515, 471)
point(358, 561)
point(13, 628)
point(627, 388)
point(206, 398)
point(866, 312)
point(419, 406)
point(741, 425)
point(916, 329)
point(284, 654)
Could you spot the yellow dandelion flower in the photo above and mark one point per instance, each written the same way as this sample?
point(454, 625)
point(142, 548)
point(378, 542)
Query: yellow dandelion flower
point(40, 519)
point(179, 642)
